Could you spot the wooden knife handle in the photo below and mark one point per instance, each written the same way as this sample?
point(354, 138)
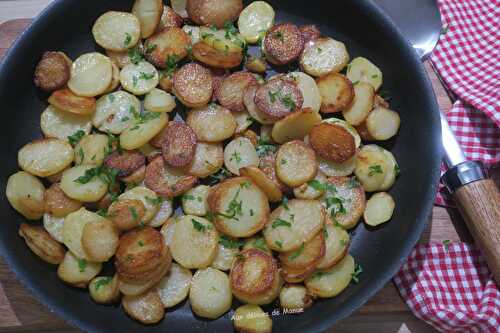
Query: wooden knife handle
point(479, 203)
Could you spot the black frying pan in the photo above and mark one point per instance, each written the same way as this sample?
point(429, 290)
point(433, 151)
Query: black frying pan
point(66, 25)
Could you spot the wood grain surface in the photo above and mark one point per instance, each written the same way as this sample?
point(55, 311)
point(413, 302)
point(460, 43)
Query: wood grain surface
point(385, 312)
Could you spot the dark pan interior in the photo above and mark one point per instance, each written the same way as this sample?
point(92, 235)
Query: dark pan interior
point(66, 25)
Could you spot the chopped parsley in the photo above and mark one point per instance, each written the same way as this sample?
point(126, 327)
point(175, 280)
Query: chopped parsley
point(283, 162)
point(106, 174)
point(264, 147)
point(102, 212)
point(111, 98)
point(319, 49)
point(279, 244)
point(251, 212)
point(374, 76)
point(128, 39)
point(322, 187)
point(235, 207)
point(353, 182)
point(82, 264)
point(135, 55)
point(230, 30)
point(343, 242)
point(240, 256)
point(284, 203)
point(336, 205)
point(81, 154)
point(357, 272)
point(374, 169)
point(325, 233)
point(260, 243)
point(279, 35)
point(141, 243)
point(280, 223)
point(235, 156)
point(222, 174)
point(124, 119)
point(102, 282)
point(297, 253)
point(171, 65)
point(188, 197)
point(288, 102)
point(155, 202)
point(76, 137)
point(146, 76)
point(245, 184)
point(272, 95)
point(198, 226)
point(151, 47)
point(230, 243)
point(397, 170)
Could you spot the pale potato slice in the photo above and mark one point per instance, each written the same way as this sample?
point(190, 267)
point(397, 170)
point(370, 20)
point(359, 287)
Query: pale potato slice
point(371, 167)
point(219, 40)
point(210, 294)
point(240, 153)
point(382, 123)
point(164, 212)
point(174, 287)
point(149, 14)
point(267, 185)
point(135, 289)
point(332, 282)
point(100, 239)
point(91, 74)
point(348, 127)
point(146, 308)
point(194, 243)
point(296, 125)
point(309, 89)
point(194, 201)
point(138, 134)
point(379, 209)
point(148, 198)
point(158, 100)
point(336, 246)
point(337, 92)
point(251, 318)
point(45, 157)
point(392, 171)
point(140, 78)
point(115, 112)
point(361, 105)
point(324, 55)
point(193, 32)
point(25, 193)
point(332, 169)
point(295, 296)
point(93, 148)
point(256, 64)
point(115, 78)
point(363, 70)
point(212, 123)
point(243, 121)
point(255, 20)
point(77, 272)
point(40, 242)
point(313, 189)
point(123, 58)
point(307, 255)
point(179, 6)
point(167, 230)
point(73, 227)
point(296, 163)
point(239, 207)
point(208, 159)
point(294, 224)
point(59, 124)
point(226, 252)
point(59, 204)
point(117, 31)
point(54, 226)
point(91, 191)
point(104, 289)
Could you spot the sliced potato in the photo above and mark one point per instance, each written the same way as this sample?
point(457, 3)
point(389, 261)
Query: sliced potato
point(40, 242)
point(91, 75)
point(194, 244)
point(115, 112)
point(193, 85)
point(255, 20)
point(52, 71)
point(169, 19)
point(208, 159)
point(363, 70)
point(348, 127)
point(336, 246)
point(158, 100)
point(296, 163)
point(251, 318)
point(240, 153)
point(225, 254)
point(382, 123)
point(26, 195)
point(336, 91)
point(257, 242)
point(312, 189)
point(174, 287)
point(123, 58)
point(138, 134)
point(332, 142)
point(104, 289)
point(294, 224)
point(194, 201)
point(100, 240)
point(379, 209)
point(230, 91)
point(210, 294)
point(148, 199)
point(213, 12)
point(73, 227)
point(140, 78)
point(371, 167)
point(115, 78)
point(361, 105)
point(66, 100)
point(239, 207)
point(332, 169)
point(54, 226)
point(392, 171)
point(91, 191)
point(212, 123)
point(243, 121)
point(309, 88)
point(146, 308)
point(166, 47)
point(307, 255)
point(295, 126)
point(179, 6)
point(332, 282)
point(167, 230)
point(296, 275)
point(215, 58)
point(117, 31)
point(149, 13)
point(219, 40)
point(255, 112)
point(267, 185)
point(45, 157)
point(283, 43)
point(167, 181)
point(295, 296)
point(59, 124)
point(77, 272)
point(135, 289)
point(164, 212)
point(178, 144)
point(57, 203)
point(93, 148)
point(324, 55)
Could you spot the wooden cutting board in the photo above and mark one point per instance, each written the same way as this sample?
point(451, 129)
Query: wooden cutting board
point(385, 312)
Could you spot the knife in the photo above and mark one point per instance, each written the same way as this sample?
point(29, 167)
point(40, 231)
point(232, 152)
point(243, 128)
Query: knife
point(477, 196)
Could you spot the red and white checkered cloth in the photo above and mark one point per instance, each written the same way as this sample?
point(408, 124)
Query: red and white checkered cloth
point(449, 286)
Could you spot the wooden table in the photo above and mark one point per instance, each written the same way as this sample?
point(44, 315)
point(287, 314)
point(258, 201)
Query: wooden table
point(385, 312)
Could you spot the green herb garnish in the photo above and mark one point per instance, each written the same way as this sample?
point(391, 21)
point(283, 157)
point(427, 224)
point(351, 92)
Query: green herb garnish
point(357, 272)
point(76, 137)
point(280, 223)
point(198, 226)
point(230, 243)
point(128, 39)
point(102, 282)
point(297, 253)
point(82, 264)
point(374, 169)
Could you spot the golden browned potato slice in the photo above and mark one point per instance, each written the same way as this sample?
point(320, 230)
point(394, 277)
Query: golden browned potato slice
point(255, 277)
point(256, 65)
point(59, 204)
point(140, 78)
point(295, 296)
point(372, 167)
point(194, 201)
point(348, 127)
point(268, 166)
point(58, 124)
point(361, 105)
point(216, 58)
point(25, 193)
point(379, 209)
point(283, 44)
point(125, 162)
point(255, 20)
point(210, 294)
point(324, 55)
point(104, 289)
point(75, 184)
point(167, 46)
point(307, 255)
point(208, 159)
point(77, 272)
point(169, 19)
point(91, 74)
point(117, 31)
point(73, 227)
point(149, 13)
point(222, 41)
point(165, 210)
point(296, 275)
point(141, 131)
point(147, 308)
point(213, 12)
point(175, 285)
point(279, 97)
point(309, 32)
point(66, 100)
point(243, 122)
point(240, 153)
point(230, 92)
point(179, 144)
point(332, 142)
point(309, 89)
point(295, 125)
point(148, 198)
point(138, 288)
point(227, 250)
point(363, 131)
point(167, 181)
point(100, 240)
point(336, 245)
point(267, 185)
point(40, 242)
point(251, 318)
point(296, 163)
point(363, 70)
point(332, 282)
point(45, 157)
point(253, 110)
point(193, 85)
point(126, 213)
point(382, 123)
point(337, 92)
point(212, 123)
point(194, 242)
point(53, 71)
point(313, 189)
